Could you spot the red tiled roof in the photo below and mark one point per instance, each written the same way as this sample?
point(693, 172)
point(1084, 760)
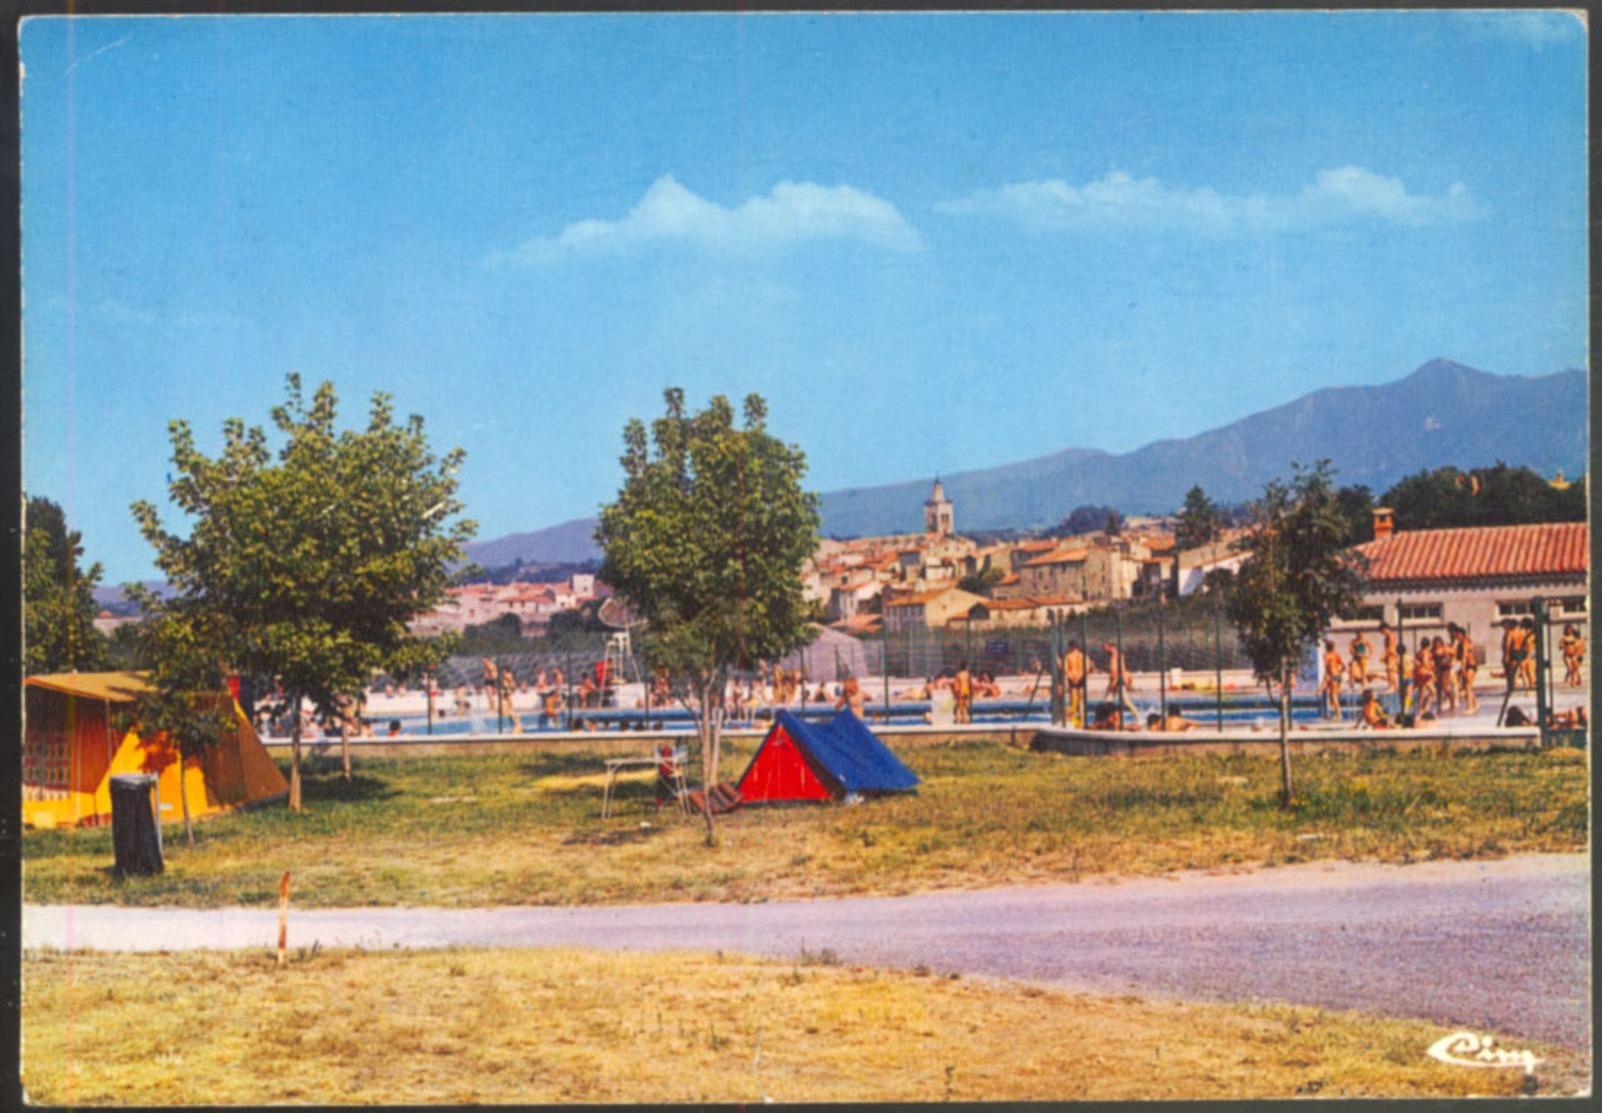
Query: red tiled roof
point(1518, 551)
point(1066, 555)
point(862, 622)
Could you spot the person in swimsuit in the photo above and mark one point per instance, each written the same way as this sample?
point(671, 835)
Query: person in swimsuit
point(1359, 649)
point(1073, 673)
point(1334, 671)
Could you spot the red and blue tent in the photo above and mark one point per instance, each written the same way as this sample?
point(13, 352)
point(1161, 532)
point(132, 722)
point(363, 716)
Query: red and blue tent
point(801, 761)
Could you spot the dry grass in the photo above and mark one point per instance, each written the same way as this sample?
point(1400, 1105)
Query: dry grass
point(516, 830)
point(540, 1027)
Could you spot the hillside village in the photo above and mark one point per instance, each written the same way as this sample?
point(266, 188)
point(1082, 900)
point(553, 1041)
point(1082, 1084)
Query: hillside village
point(901, 582)
point(863, 587)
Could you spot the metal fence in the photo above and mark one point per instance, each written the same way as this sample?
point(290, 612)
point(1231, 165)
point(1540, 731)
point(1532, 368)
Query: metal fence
point(1188, 660)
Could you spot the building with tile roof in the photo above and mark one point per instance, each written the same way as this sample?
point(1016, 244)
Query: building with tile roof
point(931, 609)
point(1476, 577)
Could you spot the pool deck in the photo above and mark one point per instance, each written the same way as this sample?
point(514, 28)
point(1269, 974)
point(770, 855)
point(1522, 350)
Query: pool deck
point(1238, 740)
point(1450, 733)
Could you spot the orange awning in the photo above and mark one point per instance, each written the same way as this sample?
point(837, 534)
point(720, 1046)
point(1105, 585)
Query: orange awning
point(103, 686)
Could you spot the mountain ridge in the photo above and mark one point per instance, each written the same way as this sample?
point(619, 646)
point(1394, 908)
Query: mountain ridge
point(1442, 413)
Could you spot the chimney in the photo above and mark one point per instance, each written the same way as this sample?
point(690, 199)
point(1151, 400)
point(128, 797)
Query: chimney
point(1384, 522)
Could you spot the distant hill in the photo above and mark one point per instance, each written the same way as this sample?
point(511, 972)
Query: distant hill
point(573, 541)
point(1443, 414)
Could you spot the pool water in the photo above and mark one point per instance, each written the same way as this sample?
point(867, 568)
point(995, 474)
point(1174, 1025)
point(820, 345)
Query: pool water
point(1236, 711)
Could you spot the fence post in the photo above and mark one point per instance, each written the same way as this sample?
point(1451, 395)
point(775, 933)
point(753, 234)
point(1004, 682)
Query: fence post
point(1401, 665)
point(1123, 664)
point(1162, 673)
point(1058, 703)
point(1218, 659)
point(885, 666)
point(1543, 707)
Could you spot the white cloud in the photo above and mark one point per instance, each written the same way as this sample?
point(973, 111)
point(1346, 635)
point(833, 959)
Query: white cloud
point(1340, 196)
point(669, 214)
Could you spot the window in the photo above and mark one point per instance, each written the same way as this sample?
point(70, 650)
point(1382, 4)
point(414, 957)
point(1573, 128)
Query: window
point(1512, 610)
point(1422, 612)
point(1372, 613)
point(1569, 607)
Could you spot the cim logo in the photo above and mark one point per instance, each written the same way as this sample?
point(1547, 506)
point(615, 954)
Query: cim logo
point(1470, 1049)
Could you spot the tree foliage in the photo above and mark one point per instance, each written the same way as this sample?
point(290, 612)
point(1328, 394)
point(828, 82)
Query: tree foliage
point(58, 605)
point(503, 634)
point(1484, 497)
point(1355, 505)
point(981, 582)
point(185, 651)
point(707, 539)
point(1087, 519)
point(1200, 520)
point(306, 565)
point(1299, 574)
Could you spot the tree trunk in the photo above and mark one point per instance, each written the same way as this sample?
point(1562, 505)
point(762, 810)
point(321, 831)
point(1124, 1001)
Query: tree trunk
point(344, 745)
point(1284, 734)
point(294, 753)
point(711, 748)
point(183, 799)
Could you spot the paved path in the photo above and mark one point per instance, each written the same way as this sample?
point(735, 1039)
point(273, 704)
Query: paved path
point(1502, 946)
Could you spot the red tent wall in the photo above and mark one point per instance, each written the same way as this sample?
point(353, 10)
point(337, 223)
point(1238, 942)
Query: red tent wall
point(780, 773)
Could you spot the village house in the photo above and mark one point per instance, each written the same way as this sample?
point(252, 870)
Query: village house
point(931, 609)
point(1191, 566)
point(532, 603)
point(1022, 612)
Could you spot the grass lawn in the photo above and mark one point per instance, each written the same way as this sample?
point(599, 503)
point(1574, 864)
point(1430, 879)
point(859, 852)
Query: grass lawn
point(553, 1027)
point(513, 830)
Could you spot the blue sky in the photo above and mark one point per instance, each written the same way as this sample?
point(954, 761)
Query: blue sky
point(933, 242)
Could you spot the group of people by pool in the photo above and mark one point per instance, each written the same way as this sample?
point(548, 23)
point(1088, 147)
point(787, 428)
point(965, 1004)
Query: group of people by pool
point(1437, 675)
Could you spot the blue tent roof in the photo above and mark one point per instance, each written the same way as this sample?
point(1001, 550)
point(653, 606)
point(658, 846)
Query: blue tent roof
point(845, 754)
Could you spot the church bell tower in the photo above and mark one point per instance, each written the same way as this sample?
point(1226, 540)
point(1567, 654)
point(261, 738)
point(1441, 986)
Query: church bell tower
point(937, 512)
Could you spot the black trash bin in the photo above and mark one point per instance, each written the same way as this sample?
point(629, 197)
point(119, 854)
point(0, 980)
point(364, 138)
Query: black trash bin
point(135, 830)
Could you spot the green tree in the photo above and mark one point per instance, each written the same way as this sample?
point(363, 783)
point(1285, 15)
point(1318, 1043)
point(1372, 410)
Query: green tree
point(58, 605)
point(707, 539)
point(1483, 497)
point(503, 634)
point(981, 582)
point(1200, 521)
point(306, 566)
point(1356, 506)
point(186, 700)
point(1088, 518)
point(1299, 574)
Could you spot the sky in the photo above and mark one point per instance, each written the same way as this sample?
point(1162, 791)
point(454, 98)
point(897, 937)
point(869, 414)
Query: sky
point(932, 242)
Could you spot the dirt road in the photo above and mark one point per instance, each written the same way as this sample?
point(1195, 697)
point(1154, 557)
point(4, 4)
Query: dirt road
point(1500, 947)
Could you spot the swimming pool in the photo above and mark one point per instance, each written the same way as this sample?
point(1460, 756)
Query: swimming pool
point(1237, 710)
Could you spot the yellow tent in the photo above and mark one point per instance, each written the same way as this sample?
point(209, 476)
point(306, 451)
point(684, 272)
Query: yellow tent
point(71, 748)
